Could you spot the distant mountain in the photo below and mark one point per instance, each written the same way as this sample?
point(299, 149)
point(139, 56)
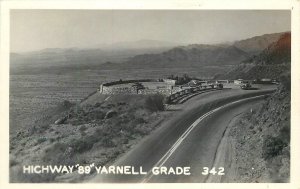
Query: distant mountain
point(75, 56)
point(270, 63)
point(140, 44)
point(197, 55)
point(191, 56)
point(256, 44)
point(56, 56)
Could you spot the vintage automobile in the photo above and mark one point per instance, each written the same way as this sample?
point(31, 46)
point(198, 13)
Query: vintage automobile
point(246, 86)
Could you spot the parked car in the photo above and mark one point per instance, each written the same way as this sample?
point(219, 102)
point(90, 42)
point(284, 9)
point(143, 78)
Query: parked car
point(220, 86)
point(246, 86)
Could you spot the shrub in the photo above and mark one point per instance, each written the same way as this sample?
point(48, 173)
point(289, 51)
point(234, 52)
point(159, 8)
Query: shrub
point(285, 133)
point(98, 104)
point(139, 121)
point(272, 146)
point(78, 110)
point(67, 103)
point(40, 140)
point(142, 130)
point(55, 154)
point(13, 161)
point(81, 145)
point(167, 100)
point(82, 128)
point(41, 128)
point(125, 141)
point(107, 142)
point(285, 80)
point(155, 102)
point(110, 114)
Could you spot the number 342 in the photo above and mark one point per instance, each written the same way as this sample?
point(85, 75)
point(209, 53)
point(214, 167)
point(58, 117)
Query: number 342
point(213, 171)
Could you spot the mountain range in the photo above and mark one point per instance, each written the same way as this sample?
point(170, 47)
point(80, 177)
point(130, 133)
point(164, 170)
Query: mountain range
point(148, 54)
point(95, 55)
point(198, 55)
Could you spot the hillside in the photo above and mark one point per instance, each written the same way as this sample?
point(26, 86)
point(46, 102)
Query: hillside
point(278, 52)
point(270, 63)
point(257, 44)
point(262, 139)
point(96, 131)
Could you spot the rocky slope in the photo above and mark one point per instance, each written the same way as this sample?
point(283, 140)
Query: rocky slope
point(270, 63)
point(257, 44)
point(278, 52)
point(262, 140)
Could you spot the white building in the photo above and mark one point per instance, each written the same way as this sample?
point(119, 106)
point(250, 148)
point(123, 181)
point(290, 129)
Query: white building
point(170, 81)
point(238, 81)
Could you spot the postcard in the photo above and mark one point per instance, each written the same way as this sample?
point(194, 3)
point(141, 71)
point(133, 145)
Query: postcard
point(189, 94)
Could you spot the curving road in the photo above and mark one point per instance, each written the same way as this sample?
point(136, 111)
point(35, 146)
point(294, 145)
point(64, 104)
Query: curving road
point(190, 137)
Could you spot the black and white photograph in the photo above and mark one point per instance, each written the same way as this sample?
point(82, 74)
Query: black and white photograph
point(150, 96)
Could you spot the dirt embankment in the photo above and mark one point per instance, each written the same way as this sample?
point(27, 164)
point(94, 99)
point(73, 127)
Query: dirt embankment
point(260, 140)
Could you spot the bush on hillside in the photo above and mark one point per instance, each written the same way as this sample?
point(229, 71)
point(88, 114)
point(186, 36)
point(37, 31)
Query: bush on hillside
point(155, 103)
point(285, 133)
point(272, 146)
point(55, 154)
point(67, 103)
point(81, 145)
point(285, 80)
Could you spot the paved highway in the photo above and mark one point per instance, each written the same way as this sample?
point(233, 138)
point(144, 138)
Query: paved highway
point(190, 137)
point(198, 147)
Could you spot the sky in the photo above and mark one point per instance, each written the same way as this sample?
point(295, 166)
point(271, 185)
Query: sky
point(32, 30)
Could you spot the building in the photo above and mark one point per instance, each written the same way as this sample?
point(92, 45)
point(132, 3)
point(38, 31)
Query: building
point(222, 81)
point(238, 81)
point(195, 82)
point(266, 80)
point(172, 82)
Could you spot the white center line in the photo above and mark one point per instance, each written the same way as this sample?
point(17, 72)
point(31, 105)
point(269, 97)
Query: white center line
point(168, 154)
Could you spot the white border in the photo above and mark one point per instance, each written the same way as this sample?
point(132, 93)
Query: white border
point(293, 5)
